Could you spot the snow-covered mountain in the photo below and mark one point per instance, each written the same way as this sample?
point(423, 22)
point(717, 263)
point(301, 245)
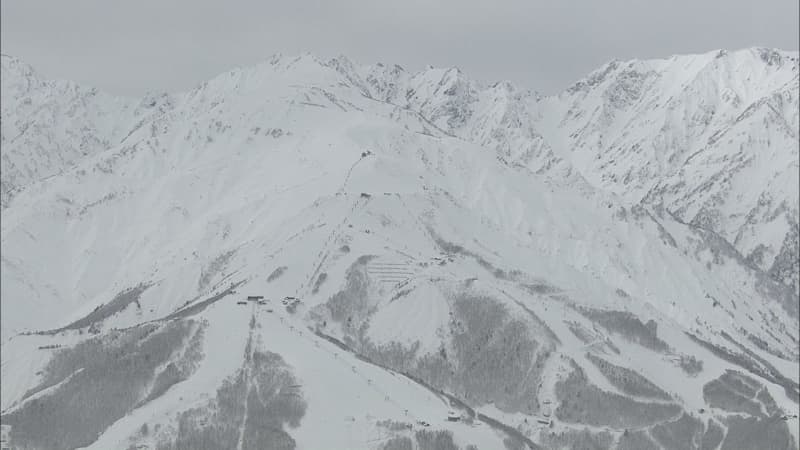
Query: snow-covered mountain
point(47, 126)
point(713, 138)
point(611, 267)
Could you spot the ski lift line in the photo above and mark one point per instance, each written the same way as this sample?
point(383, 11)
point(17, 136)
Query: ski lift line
point(392, 279)
point(251, 347)
point(390, 272)
point(349, 173)
point(335, 355)
point(370, 383)
point(403, 271)
point(419, 223)
point(391, 275)
point(325, 252)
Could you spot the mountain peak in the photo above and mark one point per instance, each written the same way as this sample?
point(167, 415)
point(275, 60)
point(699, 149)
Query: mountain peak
point(14, 67)
point(465, 266)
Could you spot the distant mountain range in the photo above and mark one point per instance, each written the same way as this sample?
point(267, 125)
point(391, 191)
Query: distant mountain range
point(444, 263)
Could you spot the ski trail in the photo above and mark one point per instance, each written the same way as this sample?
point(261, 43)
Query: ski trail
point(449, 400)
point(421, 227)
point(350, 172)
point(248, 361)
point(310, 336)
point(306, 286)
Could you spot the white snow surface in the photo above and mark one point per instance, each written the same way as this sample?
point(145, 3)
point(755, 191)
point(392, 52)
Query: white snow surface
point(665, 188)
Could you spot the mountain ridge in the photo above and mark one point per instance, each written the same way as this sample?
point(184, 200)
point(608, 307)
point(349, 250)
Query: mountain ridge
point(452, 244)
point(501, 116)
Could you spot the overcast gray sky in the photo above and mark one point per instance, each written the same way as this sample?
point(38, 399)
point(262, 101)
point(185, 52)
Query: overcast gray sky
point(131, 47)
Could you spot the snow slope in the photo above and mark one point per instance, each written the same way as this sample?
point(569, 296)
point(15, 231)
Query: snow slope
point(454, 245)
point(49, 125)
point(712, 137)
